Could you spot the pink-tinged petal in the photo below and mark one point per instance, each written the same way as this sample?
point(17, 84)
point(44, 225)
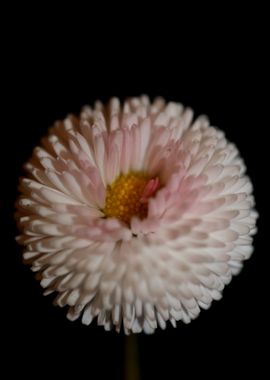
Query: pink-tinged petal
point(150, 189)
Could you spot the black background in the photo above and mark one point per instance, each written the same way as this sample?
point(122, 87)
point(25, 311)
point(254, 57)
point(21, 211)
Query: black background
point(51, 75)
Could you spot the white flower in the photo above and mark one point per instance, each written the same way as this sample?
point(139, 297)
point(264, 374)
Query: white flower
point(136, 214)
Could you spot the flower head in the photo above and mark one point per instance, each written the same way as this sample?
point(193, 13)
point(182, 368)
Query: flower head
point(136, 214)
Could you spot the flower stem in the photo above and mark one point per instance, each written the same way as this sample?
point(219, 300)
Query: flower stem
point(131, 358)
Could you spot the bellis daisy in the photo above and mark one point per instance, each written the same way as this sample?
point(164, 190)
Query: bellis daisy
point(136, 214)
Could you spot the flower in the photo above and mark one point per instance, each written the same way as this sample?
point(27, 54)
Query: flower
point(136, 214)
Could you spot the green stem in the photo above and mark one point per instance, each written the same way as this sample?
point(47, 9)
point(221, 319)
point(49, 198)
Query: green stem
point(131, 358)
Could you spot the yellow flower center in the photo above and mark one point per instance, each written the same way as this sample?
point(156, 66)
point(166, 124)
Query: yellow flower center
point(128, 196)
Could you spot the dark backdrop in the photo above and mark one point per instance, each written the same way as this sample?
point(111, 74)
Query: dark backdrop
point(47, 80)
